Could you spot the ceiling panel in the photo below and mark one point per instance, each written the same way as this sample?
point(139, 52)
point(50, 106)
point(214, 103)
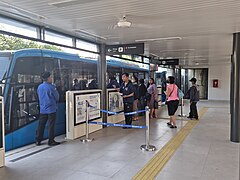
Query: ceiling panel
point(206, 26)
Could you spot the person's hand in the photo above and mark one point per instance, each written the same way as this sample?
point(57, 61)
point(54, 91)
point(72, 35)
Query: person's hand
point(124, 96)
point(114, 86)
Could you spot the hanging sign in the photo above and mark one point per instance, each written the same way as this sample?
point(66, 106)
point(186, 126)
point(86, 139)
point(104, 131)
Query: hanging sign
point(136, 48)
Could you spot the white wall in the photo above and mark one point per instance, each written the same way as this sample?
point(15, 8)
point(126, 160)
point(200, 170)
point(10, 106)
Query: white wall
point(222, 73)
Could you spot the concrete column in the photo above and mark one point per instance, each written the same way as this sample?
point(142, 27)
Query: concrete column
point(102, 70)
point(235, 90)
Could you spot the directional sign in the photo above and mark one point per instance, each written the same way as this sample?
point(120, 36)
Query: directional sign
point(137, 48)
point(168, 62)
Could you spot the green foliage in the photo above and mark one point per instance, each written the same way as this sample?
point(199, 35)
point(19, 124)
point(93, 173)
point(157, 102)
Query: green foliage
point(15, 43)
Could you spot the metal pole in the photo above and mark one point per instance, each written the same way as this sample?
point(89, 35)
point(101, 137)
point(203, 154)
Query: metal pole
point(235, 99)
point(147, 146)
point(182, 115)
point(87, 139)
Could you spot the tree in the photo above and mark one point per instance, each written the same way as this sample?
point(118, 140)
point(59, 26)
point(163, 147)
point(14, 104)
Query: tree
point(15, 43)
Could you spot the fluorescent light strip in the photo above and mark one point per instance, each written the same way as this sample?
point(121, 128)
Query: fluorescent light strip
point(177, 50)
point(159, 39)
point(88, 33)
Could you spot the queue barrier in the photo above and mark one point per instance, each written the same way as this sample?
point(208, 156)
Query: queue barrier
point(145, 147)
point(118, 125)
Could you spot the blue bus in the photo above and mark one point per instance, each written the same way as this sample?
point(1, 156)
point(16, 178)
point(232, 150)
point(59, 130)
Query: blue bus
point(20, 76)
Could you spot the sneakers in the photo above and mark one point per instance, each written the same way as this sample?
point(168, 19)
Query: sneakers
point(53, 143)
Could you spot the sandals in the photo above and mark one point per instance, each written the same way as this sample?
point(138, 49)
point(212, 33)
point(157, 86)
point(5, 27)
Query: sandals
point(169, 124)
point(172, 126)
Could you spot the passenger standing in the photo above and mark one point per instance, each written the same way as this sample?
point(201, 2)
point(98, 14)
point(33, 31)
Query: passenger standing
point(93, 84)
point(153, 103)
point(193, 95)
point(48, 98)
point(172, 101)
point(142, 95)
point(136, 97)
point(76, 85)
point(128, 97)
point(113, 82)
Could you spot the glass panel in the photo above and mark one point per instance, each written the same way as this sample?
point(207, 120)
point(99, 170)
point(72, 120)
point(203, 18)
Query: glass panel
point(127, 56)
point(87, 46)
point(137, 58)
point(58, 38)
point(146, 60)
point(16, 27)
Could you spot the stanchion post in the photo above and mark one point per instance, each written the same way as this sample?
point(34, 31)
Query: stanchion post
point(182, 115)
point(87, 139)
point(147, 146)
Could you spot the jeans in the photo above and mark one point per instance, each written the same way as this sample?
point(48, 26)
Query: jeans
point(128, 107)
point(51, 118)
point(193, 110)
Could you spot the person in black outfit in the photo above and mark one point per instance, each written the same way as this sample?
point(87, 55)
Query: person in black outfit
point(113, 82)
point(142, 95)
point(76, 85)
point(193, 95)
point(127, 91)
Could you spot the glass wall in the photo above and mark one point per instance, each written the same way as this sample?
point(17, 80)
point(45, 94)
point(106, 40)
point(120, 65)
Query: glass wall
point(56, 38)
point(17, 27)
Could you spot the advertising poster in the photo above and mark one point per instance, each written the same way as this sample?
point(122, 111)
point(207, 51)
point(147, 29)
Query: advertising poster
point(80, 111)
point(115, 102)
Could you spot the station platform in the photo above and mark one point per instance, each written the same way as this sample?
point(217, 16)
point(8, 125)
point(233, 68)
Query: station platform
point(198, 150)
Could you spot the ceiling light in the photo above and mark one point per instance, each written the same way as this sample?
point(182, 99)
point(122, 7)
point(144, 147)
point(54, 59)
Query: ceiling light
point(159, 39)
point(124, 24)
point(197, 63)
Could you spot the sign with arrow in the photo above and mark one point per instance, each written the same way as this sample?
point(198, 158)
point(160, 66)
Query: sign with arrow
point(137, 48)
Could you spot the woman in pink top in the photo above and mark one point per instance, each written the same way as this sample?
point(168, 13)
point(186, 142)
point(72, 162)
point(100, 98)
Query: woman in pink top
point(172, 101)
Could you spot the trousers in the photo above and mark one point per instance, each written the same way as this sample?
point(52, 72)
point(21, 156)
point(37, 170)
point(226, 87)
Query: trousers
point(128, 107)
point(51, 118)
point(193, 110)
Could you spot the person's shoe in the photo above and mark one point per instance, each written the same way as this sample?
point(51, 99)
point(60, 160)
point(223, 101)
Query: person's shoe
point(53, 143)
point(38, 143)
point(169, 124)
point(172, 126)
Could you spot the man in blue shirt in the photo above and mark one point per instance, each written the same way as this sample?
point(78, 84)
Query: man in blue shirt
point(48, 98)
point(127, 91)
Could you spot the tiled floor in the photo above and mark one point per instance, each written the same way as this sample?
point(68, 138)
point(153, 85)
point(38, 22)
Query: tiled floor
point(207, 153)
point(115, 153)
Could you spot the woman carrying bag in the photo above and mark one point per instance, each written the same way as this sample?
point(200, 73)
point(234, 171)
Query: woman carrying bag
point(153, 102)
point(172, 101)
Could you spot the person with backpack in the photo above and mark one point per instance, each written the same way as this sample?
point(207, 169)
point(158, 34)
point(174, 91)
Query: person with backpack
point(153, 102)
point(136, 97)
point(193, 95)
point(172, 101)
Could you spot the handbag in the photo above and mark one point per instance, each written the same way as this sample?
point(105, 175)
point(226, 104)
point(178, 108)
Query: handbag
point(155, 104)
point(180, 94)
point(148, 96)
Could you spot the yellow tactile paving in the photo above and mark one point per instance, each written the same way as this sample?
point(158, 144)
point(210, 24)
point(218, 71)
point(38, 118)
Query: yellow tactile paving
point(156, 164)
